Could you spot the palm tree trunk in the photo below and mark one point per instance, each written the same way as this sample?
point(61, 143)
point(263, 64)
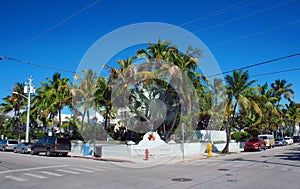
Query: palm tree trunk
point(173, 125)
point(228, 128)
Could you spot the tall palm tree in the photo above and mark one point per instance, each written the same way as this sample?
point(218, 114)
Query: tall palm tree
point(119, 84)
point(239, 89)
point(282, 88)
point(293, 115)
point(84, 94)
point(15, 102)
point(53, 96)
point(266, 102)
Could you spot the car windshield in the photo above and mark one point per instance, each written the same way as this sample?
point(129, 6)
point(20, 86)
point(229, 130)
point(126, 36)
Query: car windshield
point(253, 140)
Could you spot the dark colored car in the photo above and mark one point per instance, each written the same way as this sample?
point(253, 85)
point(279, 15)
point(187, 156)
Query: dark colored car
point(52, 146)
point(296, 139)
point(255, 143)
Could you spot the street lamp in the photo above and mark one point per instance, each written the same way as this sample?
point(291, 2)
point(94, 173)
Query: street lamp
point(28, 89)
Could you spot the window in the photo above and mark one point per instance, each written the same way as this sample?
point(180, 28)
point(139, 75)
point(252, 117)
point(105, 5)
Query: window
point(51, 140)
point(12, 142)
point(63, 141)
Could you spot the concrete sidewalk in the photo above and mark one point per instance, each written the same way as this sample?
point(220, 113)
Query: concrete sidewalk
point(176, 159)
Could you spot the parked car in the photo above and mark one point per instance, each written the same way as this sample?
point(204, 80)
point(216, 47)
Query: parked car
point(24, 147)
point(8, 144)
point(296, 139)
point(52, 146)
point(280, 142)
point(269, 139)
point(289, 140)
point(255, 143)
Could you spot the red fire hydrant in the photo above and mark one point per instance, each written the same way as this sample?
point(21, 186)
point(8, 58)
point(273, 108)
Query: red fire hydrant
point(146, 154)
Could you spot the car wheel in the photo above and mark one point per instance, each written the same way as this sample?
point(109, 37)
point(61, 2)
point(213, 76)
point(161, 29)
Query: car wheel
point(33, 152)
point(48, 153)
point(15, 150)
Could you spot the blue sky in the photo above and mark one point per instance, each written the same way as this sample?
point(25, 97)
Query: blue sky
point(58, 33)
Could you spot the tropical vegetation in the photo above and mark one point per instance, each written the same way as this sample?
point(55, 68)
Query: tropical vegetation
point(157, 89)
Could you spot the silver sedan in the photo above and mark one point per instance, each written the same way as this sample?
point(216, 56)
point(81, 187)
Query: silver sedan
point(24, 147)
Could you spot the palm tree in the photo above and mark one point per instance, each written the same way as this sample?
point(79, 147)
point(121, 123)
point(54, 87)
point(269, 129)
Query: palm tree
point(266, 102)
point(166, 62)
point(282, 88)
point(293, 115)
point(238, 96)
point(16, 102)
point(119, 85)
point(53, 96)
point(84, 94)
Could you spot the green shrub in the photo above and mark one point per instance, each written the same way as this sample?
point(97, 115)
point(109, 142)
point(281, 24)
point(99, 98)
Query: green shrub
point(239, 136)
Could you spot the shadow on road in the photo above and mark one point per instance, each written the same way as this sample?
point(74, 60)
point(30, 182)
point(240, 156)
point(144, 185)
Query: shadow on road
point(289, 155)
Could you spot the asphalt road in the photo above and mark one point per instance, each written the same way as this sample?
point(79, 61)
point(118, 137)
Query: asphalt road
point(274, 168)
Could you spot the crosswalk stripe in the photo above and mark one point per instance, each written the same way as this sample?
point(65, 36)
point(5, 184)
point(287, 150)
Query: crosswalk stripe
point(51, 173)
point(198, 164)
point(15, 178)
point(67, 171)
point(35, 176)
point(82, 170)
point(226, 164)
point(94, 169)
point(212, 164)
point(237, 165)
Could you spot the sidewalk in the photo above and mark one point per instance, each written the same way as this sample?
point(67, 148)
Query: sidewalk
point(177, 159)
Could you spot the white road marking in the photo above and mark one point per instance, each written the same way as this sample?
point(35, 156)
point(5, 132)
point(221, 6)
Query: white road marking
point(237, 165)
point(226, 164)
point(32, 169)
point(82, 170)
point(15, 178)
point(198, 164)
point(35, 176)
point(51, 173)
point(67, 171)
point(94, 169)
point(212, 164)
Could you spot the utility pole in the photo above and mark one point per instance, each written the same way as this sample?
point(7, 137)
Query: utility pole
point(28, 88)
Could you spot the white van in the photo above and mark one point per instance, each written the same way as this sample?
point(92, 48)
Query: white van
point(269, 140)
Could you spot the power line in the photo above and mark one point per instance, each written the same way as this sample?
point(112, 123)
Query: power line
point(38, 65)
point(276, 72)
point(244, 16)
point(255, 34)
point(257, 64)
point(54, 26)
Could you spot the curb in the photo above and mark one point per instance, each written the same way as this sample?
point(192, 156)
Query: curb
point(102, 159)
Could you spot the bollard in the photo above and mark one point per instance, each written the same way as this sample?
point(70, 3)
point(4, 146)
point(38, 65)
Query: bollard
point(209, 149)
point(146, 154)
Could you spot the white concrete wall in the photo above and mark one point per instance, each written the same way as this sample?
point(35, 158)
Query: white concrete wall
point(210, 135)
point(123, 151)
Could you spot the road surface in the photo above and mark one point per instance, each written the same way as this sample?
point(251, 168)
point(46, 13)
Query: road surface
point(274, 168)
